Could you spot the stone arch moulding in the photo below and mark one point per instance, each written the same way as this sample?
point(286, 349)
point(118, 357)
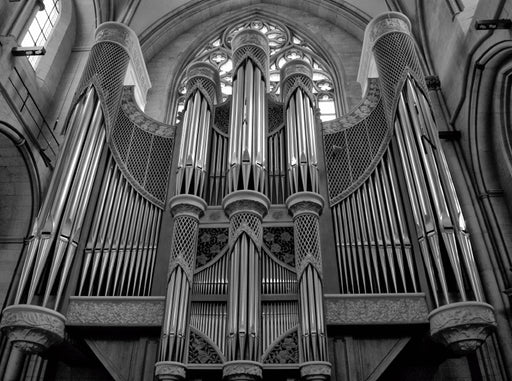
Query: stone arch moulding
point(196, 12)
point(484, 122)
point(334, 58)
point(489, 119)
point(35, 183)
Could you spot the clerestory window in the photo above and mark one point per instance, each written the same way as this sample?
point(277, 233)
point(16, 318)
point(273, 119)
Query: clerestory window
point(285, 45)
point(41, 27)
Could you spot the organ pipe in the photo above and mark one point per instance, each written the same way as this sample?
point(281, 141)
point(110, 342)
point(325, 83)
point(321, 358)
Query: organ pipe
point(247, 139)
point(246, 204)
point(202, 84)
point(187, 207)
point(305, 206)
point(440, 227)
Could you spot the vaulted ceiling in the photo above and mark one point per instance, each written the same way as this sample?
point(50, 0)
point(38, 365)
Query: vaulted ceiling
point(149, 18)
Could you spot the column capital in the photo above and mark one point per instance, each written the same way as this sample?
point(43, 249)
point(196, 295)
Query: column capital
point(315, 370)
point(187, 204)
point(32, 329)
point(305, 202)
point(246, 200)
point(462, 327)
point(242, 370)
point(170, 371)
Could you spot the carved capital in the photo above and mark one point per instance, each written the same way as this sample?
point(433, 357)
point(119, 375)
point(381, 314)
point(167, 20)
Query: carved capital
point(462, 327)
point(315, 370)
point(242, 370)
point(32, 329)
point(305, 202)
point(246, 201)
point(170, 371)
point(187, 204)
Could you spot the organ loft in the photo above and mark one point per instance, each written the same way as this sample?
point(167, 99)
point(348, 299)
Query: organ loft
point(250, 191)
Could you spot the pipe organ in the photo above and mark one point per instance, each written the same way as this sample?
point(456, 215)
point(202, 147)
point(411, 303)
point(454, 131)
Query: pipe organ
point(243, 245)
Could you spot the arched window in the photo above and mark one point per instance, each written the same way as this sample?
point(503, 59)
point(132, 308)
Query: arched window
point(41, 27)
point(285, 45)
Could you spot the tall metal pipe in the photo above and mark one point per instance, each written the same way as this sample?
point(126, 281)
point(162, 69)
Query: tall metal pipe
point(441, 235)
point(305, 205)
point(246, 203)
point(203, 86)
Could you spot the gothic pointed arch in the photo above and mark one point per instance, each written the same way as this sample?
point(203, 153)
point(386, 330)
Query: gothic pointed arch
point(336, 45)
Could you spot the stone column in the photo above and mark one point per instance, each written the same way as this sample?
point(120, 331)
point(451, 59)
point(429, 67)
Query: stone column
point(461, 320)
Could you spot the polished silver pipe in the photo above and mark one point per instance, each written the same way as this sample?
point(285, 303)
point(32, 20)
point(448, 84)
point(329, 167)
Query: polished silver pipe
point(187, 111)
point(383, 218)
point(365, 237)
point(436, 191)
point(151, 264)
point(415, 203)
point(453, 202)
point(58, 199)
point(109, 251)
point(78, 220)
point(379, 234)
point(427, 214)
point(392, 218)
point(356, 250)
point(143, 257)
point(122, 242)
point(130, 244)
point(360, 257)
point(97, 240)
point(117, 252)
point(372, 236)
point(70, 140)
point(398, 206)
point(348, 247)
point(66, 163)
point(137, 252)
point(248, 129)
point(340, 248)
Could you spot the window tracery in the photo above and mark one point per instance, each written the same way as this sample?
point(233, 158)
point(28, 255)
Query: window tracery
point(285, 45)
point(41, 27)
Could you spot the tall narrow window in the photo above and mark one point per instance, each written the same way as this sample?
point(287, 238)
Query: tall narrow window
point(41, 27)
point(285, 45)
